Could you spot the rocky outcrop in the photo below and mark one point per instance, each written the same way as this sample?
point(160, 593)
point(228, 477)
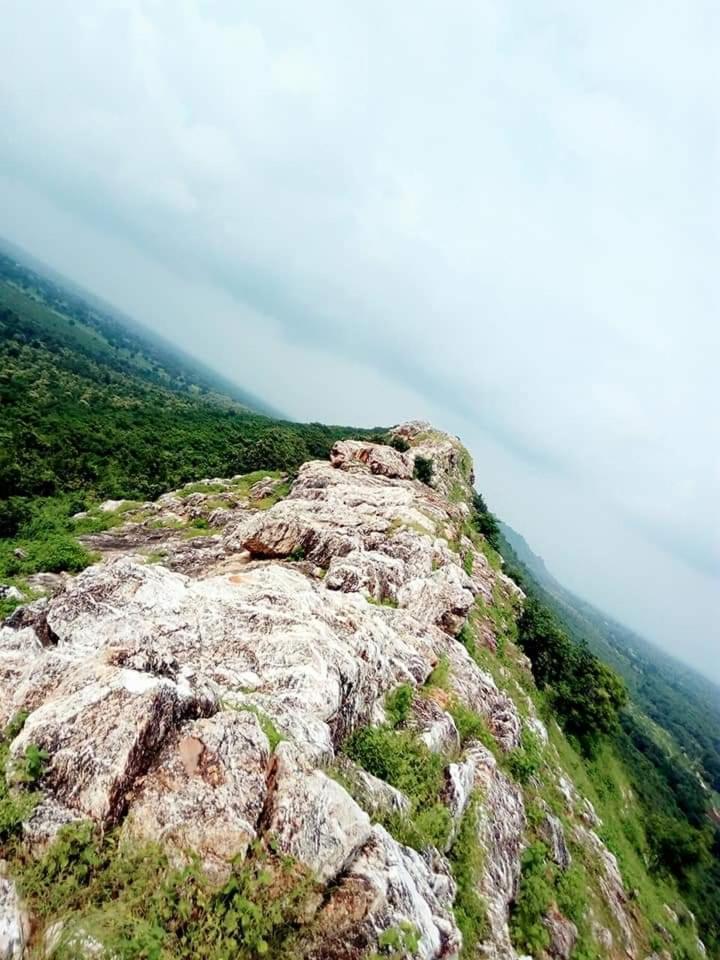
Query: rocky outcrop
point(158, 681)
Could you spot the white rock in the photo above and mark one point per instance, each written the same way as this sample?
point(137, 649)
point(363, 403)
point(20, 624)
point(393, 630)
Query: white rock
point(206, 790)
point(313, 817)
point(13, 922)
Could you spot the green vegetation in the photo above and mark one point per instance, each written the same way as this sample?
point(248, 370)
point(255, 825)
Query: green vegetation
point(485, 522)
point(466, 862)
point(130, 899)
point(94, 408)
point(266, 724)
point(16, 802)
point(403, 761)
point(398, 704)
point(398, 943)
point(586, 694)
point(423, 469)
point(398, 443)
point(533, 901)
point(440, 676)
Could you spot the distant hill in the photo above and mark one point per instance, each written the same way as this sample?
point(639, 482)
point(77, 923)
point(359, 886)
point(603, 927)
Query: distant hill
point(93, 406)
point(50, 302)
point(673, 695)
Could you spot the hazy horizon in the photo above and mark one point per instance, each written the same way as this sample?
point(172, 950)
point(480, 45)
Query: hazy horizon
point(501, 221)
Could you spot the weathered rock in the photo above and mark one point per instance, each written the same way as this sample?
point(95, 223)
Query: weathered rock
point(501, 831)
point(33, 615)
point(553, 833)
point(563, 934)
point(9, 592)
point(477, 690)
point(17, 649)
point(110, 506)
point(382, 460)
point(434, 726)
point(134, 673)
point(385, 886)
point(206, 790)
point(610, 880)
point(127, 714)
point(313, 817)
point(264, 488)
point(14, 925)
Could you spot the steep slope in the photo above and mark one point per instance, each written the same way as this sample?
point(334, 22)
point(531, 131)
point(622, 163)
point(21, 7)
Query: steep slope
point(278, 722)
point(683, 703)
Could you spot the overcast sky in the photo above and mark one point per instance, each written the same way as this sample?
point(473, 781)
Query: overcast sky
point(499, 216)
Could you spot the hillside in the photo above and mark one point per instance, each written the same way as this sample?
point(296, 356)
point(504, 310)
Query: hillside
point(91, 408)
point(271, 689)
point(677, 698)
point(298, 721)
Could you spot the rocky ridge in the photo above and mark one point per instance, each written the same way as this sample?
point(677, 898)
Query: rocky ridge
point(196, 688)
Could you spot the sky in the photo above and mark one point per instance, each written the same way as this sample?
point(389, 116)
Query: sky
point(502, 217)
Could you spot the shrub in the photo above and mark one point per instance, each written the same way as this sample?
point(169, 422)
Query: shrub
point(470, 725)
point(137, 905)
point(423, 470)
point(485, 522)
point(535, 895)
point(440, 676)
point(468, 563)
point(466, 861)
point(399, 443)
point(586, 694)
point(525, 761)
point(403, 761)
point(399, 942)
point(32, 766)
point(398, 703)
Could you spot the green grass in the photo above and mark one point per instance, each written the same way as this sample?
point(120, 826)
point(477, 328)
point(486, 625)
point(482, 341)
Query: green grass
point(16, 800)
point(466, 861)
point(138, 907)
point(398, 704)
point(266, 724)
point(401, 759)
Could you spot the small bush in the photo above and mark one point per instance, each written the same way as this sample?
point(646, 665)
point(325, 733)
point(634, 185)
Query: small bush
point(423, 470)
point(529, 934)
point(525, 761)
point(16, 805)
point(399, 942)
point(440, 676)
point(399, 443)
point(403, 761)
point(31, 768)
point(468, 563)
point(466, 861)
point(138, 906)
point(397, 704)
point(471, 726)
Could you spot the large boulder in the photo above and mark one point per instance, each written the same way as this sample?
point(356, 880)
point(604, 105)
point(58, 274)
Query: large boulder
point(206, 790)
point(312, 817)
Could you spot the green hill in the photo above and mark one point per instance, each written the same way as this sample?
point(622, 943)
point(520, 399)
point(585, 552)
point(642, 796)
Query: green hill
point(93, 407)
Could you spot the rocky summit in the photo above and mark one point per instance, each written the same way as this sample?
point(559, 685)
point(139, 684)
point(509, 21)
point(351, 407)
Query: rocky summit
point(316, 673)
